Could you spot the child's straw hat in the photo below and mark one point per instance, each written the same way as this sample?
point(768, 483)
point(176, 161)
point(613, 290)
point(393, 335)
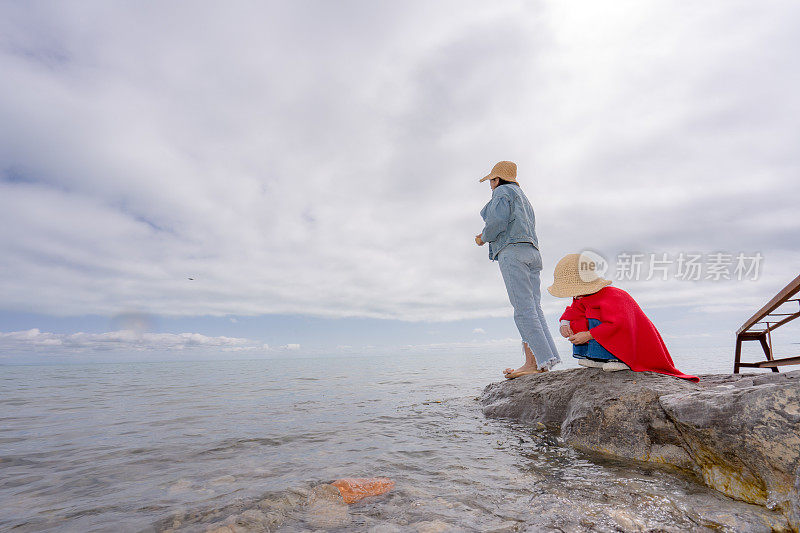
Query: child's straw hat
point(506, 170)
point(575, 276)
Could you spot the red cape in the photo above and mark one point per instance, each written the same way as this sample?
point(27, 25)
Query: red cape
point(625, 331)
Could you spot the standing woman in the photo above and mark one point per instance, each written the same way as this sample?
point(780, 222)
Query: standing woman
point(511, 234)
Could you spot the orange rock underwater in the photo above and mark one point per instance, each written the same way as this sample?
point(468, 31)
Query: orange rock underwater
point(355, 489)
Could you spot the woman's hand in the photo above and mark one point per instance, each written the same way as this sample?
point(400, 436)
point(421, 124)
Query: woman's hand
point(566, 331)
point(478, 240)
point(582, 337)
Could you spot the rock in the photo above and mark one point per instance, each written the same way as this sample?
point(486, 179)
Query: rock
point(326, 508)
point(355, 489)
point(443, 503)
point(616, 413)
point(325, 493)
point(229, 529)
point(235, 524)
point(277, 508)
point(740, 433)
point(385, 528)
point(221, 529)
point(283, 502)
point(254, 515)
point(433, 526)
point(222, 480)
point(182, 485)
point(255, 520)
point(626, 520)
point(726, 519)
point(745, 438)
point(327, 515)
point(506, 527)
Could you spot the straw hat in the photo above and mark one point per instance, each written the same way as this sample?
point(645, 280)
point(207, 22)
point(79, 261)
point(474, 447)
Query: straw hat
point(506, 170)
point(575, 276)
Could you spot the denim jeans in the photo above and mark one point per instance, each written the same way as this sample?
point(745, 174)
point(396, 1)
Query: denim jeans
point(520, 265)
point(592, 349)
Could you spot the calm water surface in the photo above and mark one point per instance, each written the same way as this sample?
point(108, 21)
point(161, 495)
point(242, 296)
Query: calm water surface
point(147, 446)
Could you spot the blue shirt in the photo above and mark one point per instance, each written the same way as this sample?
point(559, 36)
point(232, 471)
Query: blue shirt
point(509, 218)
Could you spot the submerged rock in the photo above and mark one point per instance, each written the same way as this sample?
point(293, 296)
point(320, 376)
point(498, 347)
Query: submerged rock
point(431, 526)
point(739, 433)
point(356, 489)
point(326, 508)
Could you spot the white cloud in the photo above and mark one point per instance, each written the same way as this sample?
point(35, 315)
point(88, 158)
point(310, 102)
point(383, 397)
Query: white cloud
point(479, 331)
point(338, 176)
point(292, 347)
point(124, 340)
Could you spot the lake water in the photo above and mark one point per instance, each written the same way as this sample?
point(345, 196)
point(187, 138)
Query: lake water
point(152, 446)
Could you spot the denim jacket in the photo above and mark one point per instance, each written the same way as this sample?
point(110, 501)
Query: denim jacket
point(509, 218)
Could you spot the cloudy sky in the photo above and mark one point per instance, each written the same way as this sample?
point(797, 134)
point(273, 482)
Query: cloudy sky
point(313, 168)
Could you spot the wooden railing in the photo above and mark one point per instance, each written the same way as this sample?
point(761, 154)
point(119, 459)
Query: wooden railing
point(759, 328)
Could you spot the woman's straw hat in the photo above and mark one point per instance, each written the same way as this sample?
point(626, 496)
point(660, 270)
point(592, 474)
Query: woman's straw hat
point(506, 170)
point(575, 276)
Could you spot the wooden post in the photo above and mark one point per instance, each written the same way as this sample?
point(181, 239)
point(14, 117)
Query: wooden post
point(738, 354)
point(767, 350)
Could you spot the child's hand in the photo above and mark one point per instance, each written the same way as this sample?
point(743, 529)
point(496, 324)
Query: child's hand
point(566, 331)
point(582, 337)
point(478, 239)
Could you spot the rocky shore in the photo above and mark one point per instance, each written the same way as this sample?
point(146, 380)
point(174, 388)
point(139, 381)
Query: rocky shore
point(740, 434)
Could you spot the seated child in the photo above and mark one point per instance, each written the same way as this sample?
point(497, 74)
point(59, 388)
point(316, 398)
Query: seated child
point(605, 324)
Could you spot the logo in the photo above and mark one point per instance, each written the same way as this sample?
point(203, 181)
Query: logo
point(591, 265)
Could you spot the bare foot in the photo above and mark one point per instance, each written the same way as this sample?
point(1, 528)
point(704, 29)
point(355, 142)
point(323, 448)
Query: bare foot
point(524, 370)
point(512, 370)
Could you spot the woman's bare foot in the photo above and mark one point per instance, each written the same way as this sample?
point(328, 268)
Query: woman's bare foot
point(528, 368)
point(524, 370)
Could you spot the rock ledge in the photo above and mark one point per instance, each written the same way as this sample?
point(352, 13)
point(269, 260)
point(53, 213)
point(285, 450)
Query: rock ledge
point(739, 432)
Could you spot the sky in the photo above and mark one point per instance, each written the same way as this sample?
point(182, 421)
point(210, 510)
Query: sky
point(297, 179)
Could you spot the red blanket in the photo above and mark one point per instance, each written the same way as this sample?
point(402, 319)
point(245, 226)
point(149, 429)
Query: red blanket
point(625, 331)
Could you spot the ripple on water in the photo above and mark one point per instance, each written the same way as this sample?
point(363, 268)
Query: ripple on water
point(184, 452)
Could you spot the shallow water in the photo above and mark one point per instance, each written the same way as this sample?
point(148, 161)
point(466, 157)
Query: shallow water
point(148, 446)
